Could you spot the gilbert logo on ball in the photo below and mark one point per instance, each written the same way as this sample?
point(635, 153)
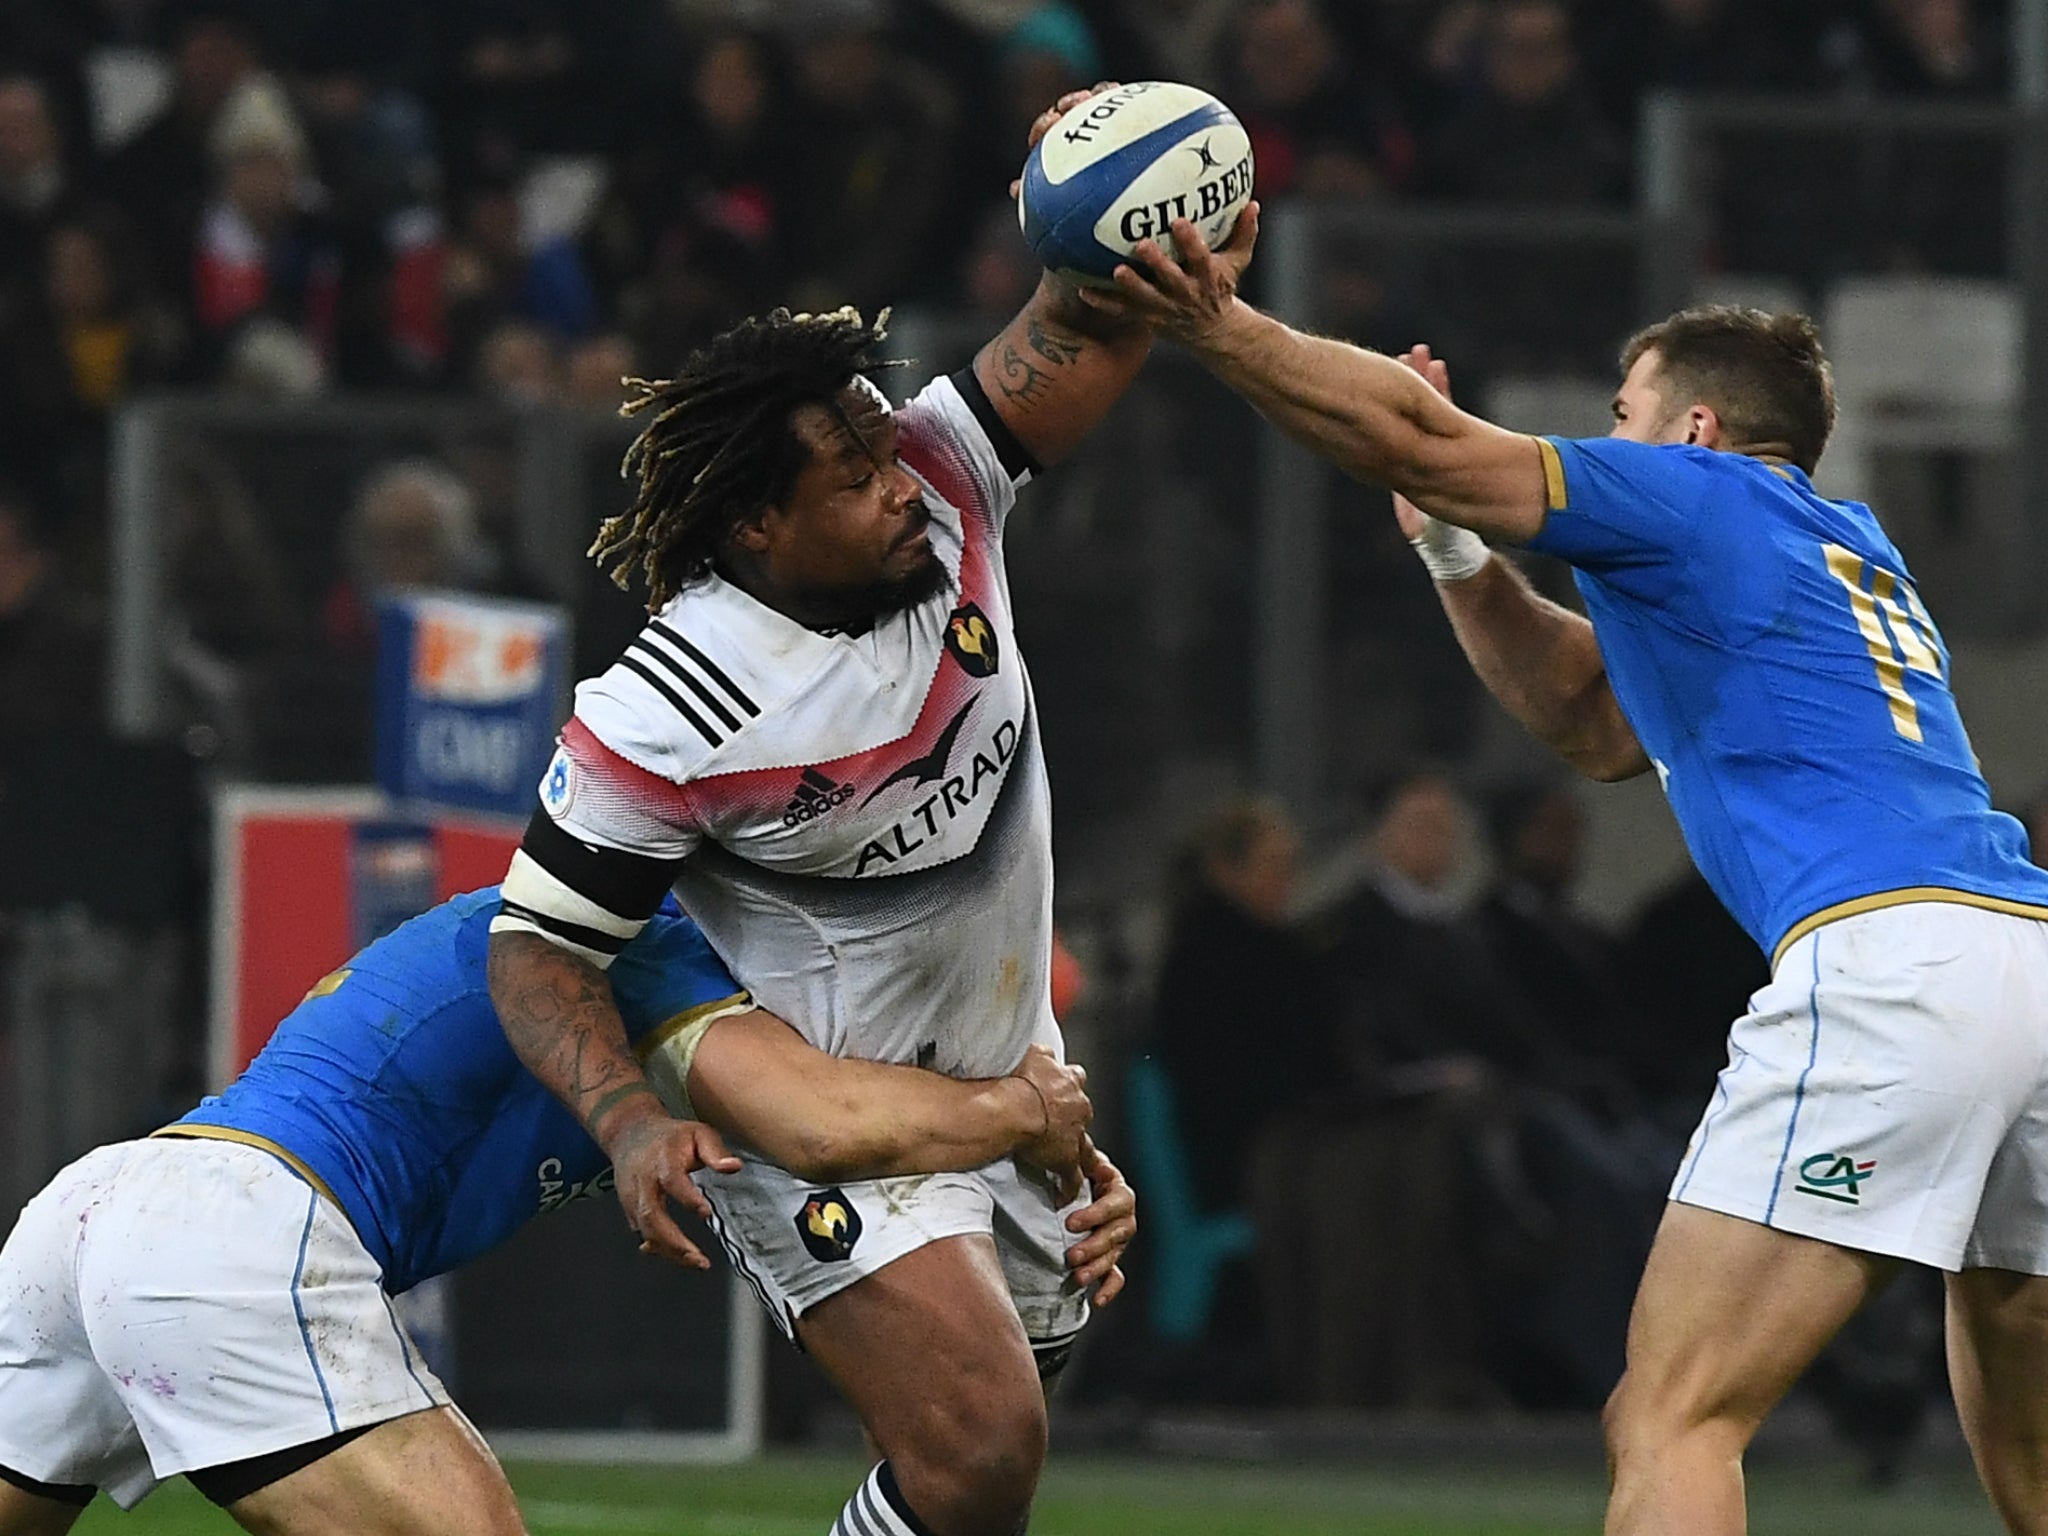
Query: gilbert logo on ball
point(1121, 167)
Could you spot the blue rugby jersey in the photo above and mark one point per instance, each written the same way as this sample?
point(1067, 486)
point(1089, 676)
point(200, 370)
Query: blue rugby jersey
point(394, 1086)
point(1770, 652)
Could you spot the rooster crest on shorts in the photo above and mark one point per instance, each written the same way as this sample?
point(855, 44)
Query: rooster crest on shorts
point(972, 640)
point(829, 1226)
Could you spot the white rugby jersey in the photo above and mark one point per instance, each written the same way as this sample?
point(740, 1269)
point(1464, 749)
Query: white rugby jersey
point(862, 821)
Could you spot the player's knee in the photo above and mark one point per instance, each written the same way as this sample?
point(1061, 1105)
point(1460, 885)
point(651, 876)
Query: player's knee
point(973, 1469)
point(1646, 1416)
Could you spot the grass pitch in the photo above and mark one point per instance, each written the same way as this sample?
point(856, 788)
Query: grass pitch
point(785, 1495)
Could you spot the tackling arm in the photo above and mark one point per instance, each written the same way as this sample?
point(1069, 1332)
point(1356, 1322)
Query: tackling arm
point(558, 1012)
point(828, 1119)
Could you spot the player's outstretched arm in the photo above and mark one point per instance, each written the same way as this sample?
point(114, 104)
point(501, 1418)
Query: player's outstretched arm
point(558, 1012)
point(1540, 661)
point(827, 1119)
point(1055, 370)
point(1364, 412)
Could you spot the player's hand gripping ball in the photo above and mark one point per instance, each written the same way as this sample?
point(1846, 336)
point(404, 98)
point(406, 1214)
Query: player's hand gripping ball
point(1121, 166)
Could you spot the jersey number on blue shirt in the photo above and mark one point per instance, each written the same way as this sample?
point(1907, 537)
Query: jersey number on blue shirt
point(1896, 627)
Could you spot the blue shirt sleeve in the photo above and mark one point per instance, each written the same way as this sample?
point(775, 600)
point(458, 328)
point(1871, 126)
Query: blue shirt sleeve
point(1629, 513)
point(668, 970)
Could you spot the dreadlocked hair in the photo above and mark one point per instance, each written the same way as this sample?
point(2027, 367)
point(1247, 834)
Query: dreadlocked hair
point(719, 444)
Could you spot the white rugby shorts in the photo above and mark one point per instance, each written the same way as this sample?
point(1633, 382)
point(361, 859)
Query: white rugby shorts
point(1888, 1092)
point(174, 1304)
point(798, 1243)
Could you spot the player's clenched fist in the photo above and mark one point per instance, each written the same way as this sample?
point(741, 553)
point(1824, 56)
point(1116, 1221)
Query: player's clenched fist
point(652, 1159)
point(1062, 1093)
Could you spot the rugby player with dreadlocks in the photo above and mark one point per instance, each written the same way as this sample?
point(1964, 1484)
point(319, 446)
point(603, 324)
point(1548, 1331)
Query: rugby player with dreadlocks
point(825, 740)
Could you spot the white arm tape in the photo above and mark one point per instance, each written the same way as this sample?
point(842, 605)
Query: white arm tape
point(668, 1052)
point(1450, 553)
point(546, 902)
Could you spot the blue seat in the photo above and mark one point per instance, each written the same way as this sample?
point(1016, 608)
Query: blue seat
point(1189, 1245)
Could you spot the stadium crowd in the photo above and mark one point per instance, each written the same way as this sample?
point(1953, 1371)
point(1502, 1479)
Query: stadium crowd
point(342, 194)
point(1493, 1091)
point(524, 200)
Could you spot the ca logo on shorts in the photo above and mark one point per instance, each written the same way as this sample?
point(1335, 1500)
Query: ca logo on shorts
point(829, 1226)
point(972, 640)
point(1834, 1176)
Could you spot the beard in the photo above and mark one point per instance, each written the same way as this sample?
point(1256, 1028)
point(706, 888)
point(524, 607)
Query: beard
point(897, 593)
point(855, 610)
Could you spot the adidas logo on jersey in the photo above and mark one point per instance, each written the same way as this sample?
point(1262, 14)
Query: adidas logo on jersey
point(815, 795)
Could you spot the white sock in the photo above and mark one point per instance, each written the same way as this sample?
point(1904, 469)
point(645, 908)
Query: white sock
point(877, 1509)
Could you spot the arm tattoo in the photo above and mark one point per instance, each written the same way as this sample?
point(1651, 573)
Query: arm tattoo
point(557, 1011)
point(1022, 381)
point(1055, 349)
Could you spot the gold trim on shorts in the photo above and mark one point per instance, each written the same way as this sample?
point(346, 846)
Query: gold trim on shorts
point(196, 1132)
point(1899, 898)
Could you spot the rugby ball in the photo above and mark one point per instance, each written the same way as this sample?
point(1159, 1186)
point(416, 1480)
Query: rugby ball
point(1122, 166)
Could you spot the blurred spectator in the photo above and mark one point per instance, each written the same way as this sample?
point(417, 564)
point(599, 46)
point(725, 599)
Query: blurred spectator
point(271, 361)
point(538, 76)
point(113, 338)
point(1360, 1192)
point(1233, 956)
point(1688, 971)
point(493, 273)
point(1560, 966)
point(52, 649)
point(1047, 53)
point(516, 366)
point(36, 188)
point(1319, 125)
point(1430, 1021)
point(229, 594)
point(1413, 978)
point(1638, 46)
point(595, 373)
point(413, 524)
point(159, 178)
point(374, 147)
point(263, 251)
point(1920, 47)
point(75, 349)
point(876, 133)
point(694, 229)
point(1527, 129)
point(1919, 199)
point(1000, 271)
point(373, 139)
point(1166, 39)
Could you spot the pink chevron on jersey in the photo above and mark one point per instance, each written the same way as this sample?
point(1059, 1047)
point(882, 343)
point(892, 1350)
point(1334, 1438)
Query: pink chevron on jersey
point(863, 820)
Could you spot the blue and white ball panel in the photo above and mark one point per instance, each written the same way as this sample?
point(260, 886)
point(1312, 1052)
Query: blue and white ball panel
point(1120, 167)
